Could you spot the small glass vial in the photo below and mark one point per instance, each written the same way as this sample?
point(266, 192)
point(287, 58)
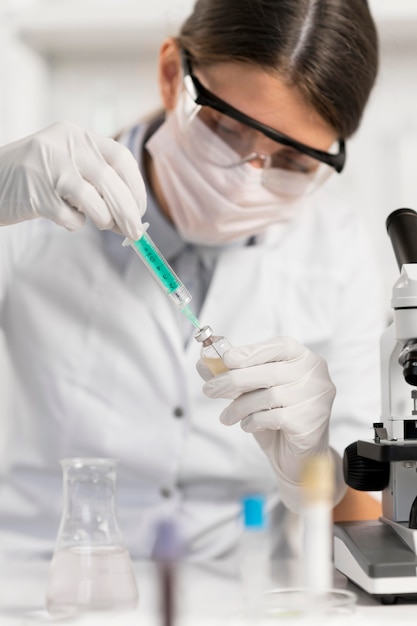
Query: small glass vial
point(91, 568)
point(212, 349)
point(317, 490)
point(254, 555)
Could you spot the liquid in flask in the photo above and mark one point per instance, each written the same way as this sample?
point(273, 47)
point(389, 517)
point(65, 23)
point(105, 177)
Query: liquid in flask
point(91, 568)
point(212, 349)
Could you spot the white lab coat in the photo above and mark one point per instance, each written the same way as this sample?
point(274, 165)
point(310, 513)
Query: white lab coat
point(98, 368)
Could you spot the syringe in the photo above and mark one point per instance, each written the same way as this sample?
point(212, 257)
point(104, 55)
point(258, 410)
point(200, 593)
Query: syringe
point(164, 274)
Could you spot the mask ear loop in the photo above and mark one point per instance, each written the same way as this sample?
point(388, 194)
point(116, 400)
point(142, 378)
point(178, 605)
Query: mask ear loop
point(186, 111)
point(188, 95)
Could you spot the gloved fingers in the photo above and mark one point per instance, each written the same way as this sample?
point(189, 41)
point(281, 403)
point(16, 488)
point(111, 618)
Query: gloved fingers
point(277, 419)
point(111, 170)
point(94, 175)
point(83, 197)
point(267, 409)
point(204, 371)
point(124, 163)
point(64, 215)
point(285, 419)
point(276, 349)
point(116, 230)
point(235, 382)
point(269, 441)
point(50, 203)
point(119, 201)
point(264, 421)
point(116, 196)
point(261, 400)
point(276, 408)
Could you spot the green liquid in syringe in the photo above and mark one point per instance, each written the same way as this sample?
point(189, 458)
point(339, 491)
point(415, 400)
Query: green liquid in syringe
point(156, 263)
point(164, 274)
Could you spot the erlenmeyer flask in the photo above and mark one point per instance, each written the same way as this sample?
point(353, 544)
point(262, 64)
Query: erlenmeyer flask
point(91, 568)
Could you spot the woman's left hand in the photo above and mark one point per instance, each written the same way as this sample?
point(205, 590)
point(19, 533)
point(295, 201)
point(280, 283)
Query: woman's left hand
point(282, 393)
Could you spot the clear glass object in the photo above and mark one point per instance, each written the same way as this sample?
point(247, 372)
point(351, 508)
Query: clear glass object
point(297, 603)
point(91, 568)
point(316, 598)
point(254, 555)
point(212, 349)
point(164, 275)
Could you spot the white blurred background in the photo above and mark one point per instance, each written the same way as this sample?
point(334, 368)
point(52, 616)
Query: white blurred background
point(94, 62)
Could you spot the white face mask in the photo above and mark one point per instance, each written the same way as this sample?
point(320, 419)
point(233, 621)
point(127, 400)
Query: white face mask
point(209, 204)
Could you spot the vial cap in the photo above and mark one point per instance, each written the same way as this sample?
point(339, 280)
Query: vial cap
point(203, 333)
point(253, 511)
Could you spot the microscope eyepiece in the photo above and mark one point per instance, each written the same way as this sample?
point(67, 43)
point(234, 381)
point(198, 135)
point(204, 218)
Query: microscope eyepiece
point(402, 230)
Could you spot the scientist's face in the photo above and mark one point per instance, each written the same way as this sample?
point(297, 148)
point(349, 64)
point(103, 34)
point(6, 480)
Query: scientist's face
point(279, 108)
point(238, 151)
point(262, 97)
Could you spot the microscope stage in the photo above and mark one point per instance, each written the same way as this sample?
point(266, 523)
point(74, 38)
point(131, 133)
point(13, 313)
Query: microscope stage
point(372, 555)
point(385, 450)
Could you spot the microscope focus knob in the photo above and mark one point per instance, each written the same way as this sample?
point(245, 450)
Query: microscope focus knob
point(408, 359)
point(364, 474)
point(410, 369)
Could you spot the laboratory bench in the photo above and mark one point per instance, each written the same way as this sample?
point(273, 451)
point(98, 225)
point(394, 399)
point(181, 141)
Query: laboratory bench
point(208, 594)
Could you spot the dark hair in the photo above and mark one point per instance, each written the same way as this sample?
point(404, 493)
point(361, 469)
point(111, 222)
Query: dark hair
point(327, 48)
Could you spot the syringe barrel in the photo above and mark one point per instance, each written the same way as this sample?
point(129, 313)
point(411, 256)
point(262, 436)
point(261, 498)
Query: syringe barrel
point(180, 296)
point(160, 269)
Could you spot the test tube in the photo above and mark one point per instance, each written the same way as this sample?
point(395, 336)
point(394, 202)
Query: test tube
point(254, 555)
point(163, 273)
point(318, 486)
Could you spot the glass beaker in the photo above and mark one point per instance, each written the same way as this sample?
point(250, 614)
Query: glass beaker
point(91, 568)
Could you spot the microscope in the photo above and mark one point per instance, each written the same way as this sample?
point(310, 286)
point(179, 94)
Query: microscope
point(380, 556)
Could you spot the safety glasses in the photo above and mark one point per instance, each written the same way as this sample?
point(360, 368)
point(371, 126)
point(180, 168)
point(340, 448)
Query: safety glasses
point(243, 135)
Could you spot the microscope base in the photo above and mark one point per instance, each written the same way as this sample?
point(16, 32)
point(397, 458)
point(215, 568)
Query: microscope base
point(372, 556)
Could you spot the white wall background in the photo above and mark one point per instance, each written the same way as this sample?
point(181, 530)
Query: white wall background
point(94, 62)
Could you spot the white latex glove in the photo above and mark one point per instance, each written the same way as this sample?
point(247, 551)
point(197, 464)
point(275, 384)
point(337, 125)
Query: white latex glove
point(65, 173)
point(282, 393)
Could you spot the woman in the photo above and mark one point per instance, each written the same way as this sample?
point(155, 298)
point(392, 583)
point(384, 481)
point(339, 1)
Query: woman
point(259, 99)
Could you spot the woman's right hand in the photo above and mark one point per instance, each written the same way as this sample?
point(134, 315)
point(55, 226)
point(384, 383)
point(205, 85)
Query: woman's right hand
point(65, 173)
